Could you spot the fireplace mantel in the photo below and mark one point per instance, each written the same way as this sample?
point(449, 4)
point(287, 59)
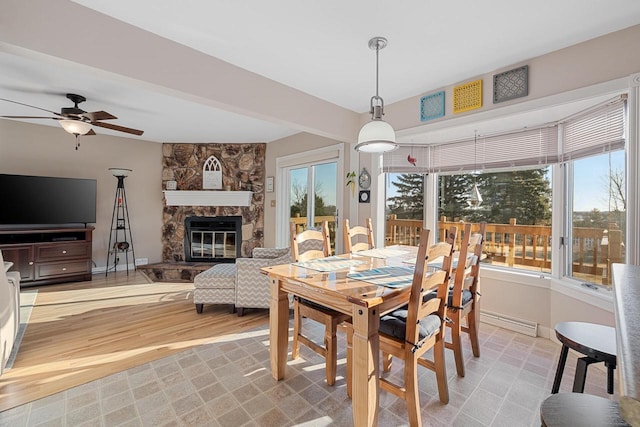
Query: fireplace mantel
point(208, 198)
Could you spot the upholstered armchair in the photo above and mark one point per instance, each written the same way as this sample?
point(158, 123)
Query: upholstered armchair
point(252, 287)
point(9, 310)
point(241, 284)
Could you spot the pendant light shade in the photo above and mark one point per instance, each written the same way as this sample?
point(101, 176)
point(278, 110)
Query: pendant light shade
point(75, 127)
point(377, 136)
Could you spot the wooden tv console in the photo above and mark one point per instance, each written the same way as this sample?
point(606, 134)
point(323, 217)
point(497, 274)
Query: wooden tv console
point(48, 255)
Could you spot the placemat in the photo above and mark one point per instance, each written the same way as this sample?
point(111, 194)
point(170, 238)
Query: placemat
point(391, 276)
point(332, 263)
point(382, 252)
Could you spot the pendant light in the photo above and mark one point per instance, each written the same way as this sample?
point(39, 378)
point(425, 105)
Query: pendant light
point(377, 136)
point(474, 199)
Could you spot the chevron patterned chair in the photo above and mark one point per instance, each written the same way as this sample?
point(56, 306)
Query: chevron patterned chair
point(253, 289)
point(241, 285)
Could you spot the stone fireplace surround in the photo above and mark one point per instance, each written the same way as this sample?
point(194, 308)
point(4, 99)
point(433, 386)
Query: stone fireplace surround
point(243, 169)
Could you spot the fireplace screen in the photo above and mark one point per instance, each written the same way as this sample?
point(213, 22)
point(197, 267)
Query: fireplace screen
point(217, 239)
point(213, 244)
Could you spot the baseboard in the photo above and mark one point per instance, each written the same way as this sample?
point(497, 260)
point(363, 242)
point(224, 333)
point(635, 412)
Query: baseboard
point(522, 326)
point(120, 267)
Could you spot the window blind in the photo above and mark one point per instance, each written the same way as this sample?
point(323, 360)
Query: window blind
point(599, 130)
point(523, 148)
point(401, 160)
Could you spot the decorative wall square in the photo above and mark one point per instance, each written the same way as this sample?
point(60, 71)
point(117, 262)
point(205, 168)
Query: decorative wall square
point(511, 84)
point(467, 96)
point(432, 106)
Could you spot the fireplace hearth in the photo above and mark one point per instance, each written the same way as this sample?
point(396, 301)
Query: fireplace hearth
point(212, 239)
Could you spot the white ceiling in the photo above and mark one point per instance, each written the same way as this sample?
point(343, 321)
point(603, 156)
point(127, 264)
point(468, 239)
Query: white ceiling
point(317, 48)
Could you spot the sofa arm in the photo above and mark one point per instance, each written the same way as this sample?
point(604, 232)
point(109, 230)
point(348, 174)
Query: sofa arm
point(270, 253)
point(252, 286)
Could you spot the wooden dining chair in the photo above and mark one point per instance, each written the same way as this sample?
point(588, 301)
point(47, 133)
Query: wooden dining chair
point(463, 303)
point(306, 246)
point(359, 237)
point(409, 332)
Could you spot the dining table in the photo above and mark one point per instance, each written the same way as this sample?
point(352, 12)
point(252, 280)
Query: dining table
point(362, 284)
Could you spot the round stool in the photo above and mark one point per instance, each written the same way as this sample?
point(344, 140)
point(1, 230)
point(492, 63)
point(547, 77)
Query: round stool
point(577, 409)
point(596, 342)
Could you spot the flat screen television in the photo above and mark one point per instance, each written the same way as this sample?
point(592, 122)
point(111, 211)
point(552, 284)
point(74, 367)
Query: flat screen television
point(42, 201)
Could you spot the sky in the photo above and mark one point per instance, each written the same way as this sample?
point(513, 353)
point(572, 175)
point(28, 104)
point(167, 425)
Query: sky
point(325, 180)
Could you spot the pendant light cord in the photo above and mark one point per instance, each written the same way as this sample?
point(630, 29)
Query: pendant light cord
point(377, 65)
point(475, 153)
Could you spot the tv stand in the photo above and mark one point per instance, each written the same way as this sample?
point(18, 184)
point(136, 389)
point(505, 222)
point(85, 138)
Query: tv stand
point(48, 255)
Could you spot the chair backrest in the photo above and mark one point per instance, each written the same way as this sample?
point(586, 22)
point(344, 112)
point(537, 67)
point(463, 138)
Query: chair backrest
point(310, 244)
point(425, 282)
point(468, 264)
point(477, 245)
point(358, 238)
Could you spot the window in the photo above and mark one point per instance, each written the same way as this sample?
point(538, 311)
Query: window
point(587, 153)
point(516, 205)
point(319, 181)
point(598, 217)
point(404, 208)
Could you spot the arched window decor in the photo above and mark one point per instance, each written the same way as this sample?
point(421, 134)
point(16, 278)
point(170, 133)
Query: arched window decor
point(212, 174)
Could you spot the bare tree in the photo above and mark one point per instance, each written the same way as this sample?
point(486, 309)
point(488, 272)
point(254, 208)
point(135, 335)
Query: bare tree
point(615, 188)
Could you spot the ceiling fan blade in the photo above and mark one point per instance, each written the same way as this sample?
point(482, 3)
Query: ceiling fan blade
point(91, 132)
point(98, 115)
point(118, 128)
point(29, 117)
point(32, 106)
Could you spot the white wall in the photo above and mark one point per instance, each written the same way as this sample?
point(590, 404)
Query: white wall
point(30, 149)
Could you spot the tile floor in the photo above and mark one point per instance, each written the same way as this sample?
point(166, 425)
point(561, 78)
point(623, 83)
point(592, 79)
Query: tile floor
point(228, 383)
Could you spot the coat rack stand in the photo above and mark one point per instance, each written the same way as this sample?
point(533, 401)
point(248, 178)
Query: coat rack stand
point(120, 238)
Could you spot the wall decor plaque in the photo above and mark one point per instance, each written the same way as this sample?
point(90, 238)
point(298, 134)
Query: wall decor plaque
point(511, 84)
point(467, 96)
point(212, 174)
point(432, 106)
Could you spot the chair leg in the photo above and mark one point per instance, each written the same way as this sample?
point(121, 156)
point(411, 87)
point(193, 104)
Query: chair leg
point(240, 311)
point(411, 389)
point(331, 346)
point(440, 367)
point(349, 359)
point(297, 325)
point(199, 308)
point(473, 322)
point(456, 344)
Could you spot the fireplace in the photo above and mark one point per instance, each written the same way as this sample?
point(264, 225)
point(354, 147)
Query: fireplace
point(212, 238)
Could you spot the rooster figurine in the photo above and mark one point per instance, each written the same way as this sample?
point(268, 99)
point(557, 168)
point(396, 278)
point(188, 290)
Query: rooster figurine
point(411, 160)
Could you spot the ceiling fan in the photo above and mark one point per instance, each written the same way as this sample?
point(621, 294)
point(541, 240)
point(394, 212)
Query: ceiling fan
point(75, 120)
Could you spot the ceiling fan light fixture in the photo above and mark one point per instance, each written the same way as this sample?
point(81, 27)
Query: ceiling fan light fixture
point(75, 127)
point(376, 136)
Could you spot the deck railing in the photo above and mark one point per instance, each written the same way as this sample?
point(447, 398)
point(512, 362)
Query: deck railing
point(301, 225)
point(529, 246)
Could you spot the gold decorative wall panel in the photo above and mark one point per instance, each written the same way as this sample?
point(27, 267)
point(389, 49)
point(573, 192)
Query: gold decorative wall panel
point(467, 96)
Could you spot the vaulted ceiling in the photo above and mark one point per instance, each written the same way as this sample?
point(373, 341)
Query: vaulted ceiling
point(253, 71)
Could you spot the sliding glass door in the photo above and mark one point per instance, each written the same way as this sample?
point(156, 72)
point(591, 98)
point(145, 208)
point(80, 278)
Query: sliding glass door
point(313, 196)
point(309, 191)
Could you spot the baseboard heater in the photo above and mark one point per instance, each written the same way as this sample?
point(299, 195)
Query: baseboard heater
point(525, 327)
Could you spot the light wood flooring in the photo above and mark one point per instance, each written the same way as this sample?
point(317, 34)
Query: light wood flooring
point(79, 332)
